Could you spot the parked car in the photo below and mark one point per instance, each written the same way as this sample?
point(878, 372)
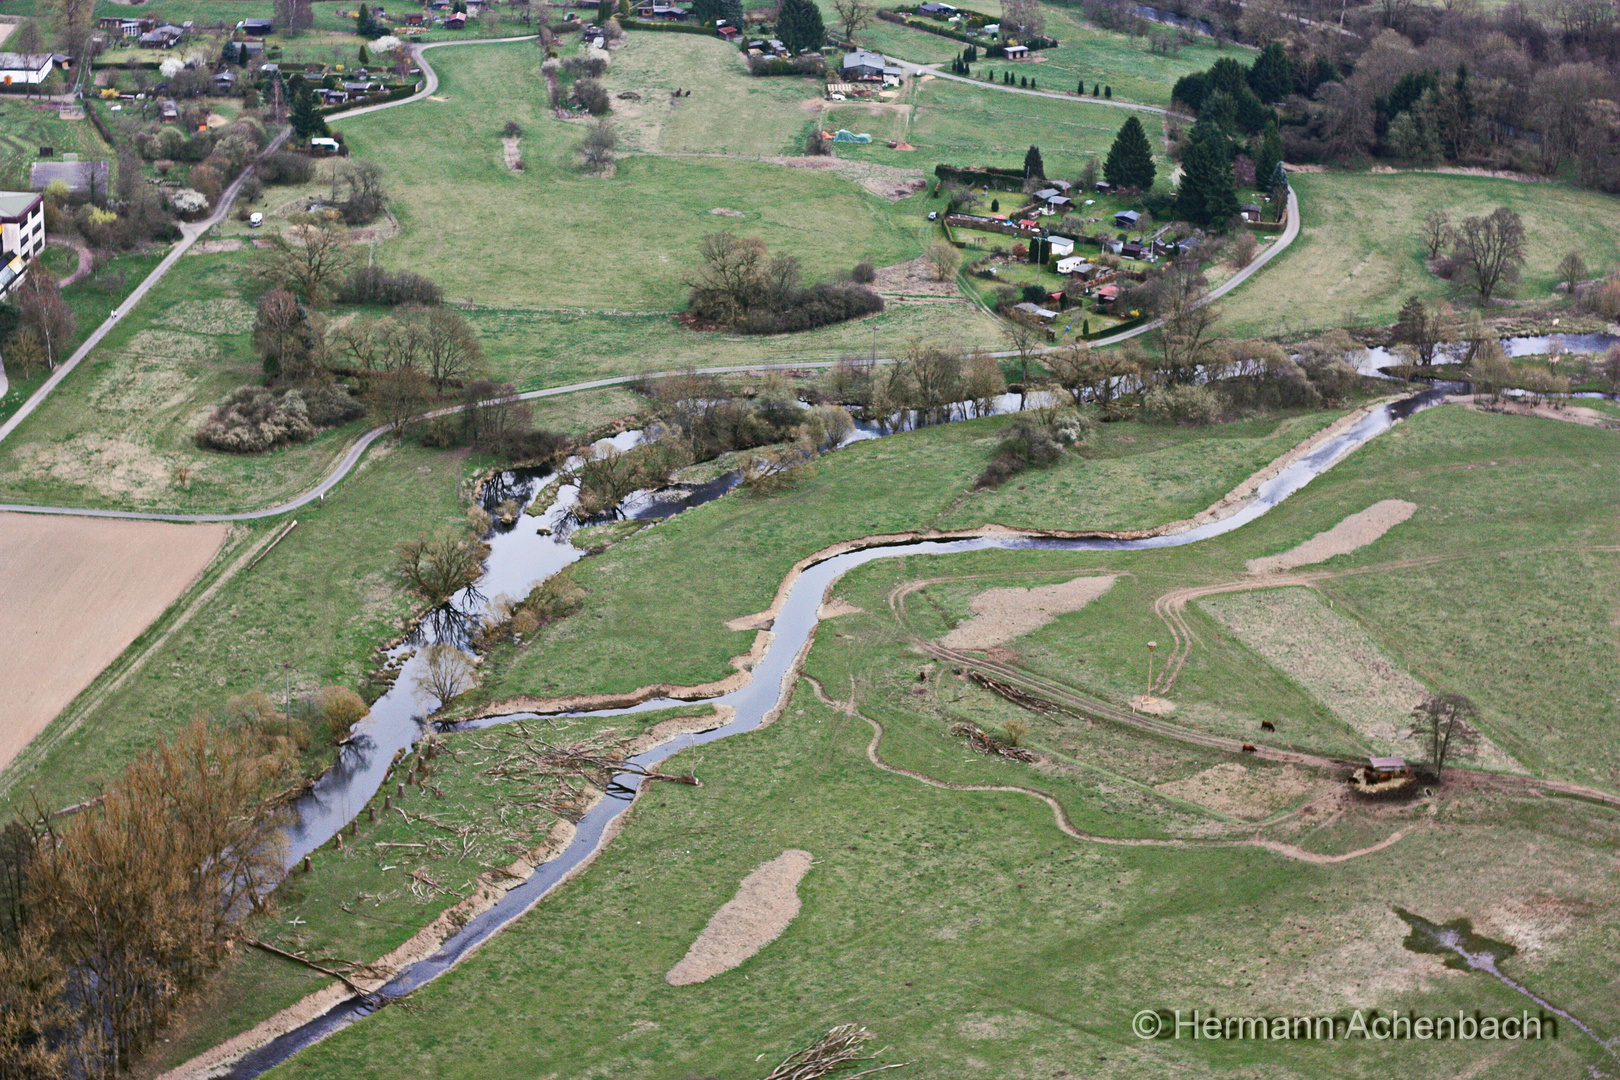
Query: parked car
point(933, 215)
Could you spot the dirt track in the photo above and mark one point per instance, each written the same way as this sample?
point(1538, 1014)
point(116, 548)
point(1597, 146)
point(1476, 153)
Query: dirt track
point(74, 594)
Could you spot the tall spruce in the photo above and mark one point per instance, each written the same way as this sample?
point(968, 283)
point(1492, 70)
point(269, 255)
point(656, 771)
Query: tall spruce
point(800, 26)
point(1272, 76)
point(1034, 167)
point(1130, 159)
point(1268, 154)
point(1206, 195)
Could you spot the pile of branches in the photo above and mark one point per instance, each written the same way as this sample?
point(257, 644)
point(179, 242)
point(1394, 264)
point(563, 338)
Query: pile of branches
point(841, 1048)
point(594, 761)
point(986, 743)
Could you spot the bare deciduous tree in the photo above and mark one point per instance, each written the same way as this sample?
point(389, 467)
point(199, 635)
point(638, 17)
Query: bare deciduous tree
point(1449, 724)
point(312, 263)
point(1490, 250)
point(446, 673)
point(852, 16)
point(438, 565)
point(944, 260)
point(449, 349)
point(596, 152)
point(45, 312)
point(1436, 231)
point(1421, 329)
point(1571, 271)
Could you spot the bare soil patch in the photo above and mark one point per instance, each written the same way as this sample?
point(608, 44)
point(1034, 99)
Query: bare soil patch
point(1241, 792)
point(914, 278)
point(510, 154)
point(1000, 615)
point(889, 181)
point(1569, 414)
point(725, 212)
point(766, 902)
point(1355, 531)
point(76, 592)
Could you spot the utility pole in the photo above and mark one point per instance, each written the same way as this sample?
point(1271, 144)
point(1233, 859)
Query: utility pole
point(287, 667)
point(1148, 696)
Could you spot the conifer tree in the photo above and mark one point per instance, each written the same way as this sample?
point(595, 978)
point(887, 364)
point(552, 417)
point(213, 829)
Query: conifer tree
point(1130, 159)
point(800, 26)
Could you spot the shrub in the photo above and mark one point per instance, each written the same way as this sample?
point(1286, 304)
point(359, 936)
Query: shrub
point(1191, 405)
point(374, 285)
point(806, 309)
point(1025, 443)
point(254, 419)
point(285, 167)
point(863, 274)
point(330, 404)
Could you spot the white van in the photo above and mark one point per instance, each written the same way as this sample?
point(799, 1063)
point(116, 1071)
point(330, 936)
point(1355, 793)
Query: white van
point(255, 220)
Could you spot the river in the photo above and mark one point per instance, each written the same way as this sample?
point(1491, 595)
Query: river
point(522, 555)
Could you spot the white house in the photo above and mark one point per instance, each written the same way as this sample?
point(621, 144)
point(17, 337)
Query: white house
point(1070, 264)
point(1061, 246)
point(22, 234)
point(25, 67)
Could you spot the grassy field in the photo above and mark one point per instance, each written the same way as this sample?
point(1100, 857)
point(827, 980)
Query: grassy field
point(989, 943)
point(1099, 56)
point(321, 600)
point(120, 430)
point(541, 237)
point(1360, 253)
point(1131, 477)
point(967, 125)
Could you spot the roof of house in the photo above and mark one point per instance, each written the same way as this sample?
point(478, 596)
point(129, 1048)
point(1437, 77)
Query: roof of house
point(1252, 206)
point(11, 61)
point(1108, 292)
point(1017, 49)
point(1128, 215)
point(17, 204)
point(1036, 310)
point(1386, 764)
point(1048, 193)
point(863, 58)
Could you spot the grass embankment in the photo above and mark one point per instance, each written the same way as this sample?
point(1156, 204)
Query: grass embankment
point(321, 600)
point(630, 634)
point(1361, 254)
point(977, 940)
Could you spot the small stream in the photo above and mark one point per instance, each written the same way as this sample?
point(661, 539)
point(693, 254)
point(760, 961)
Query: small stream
point(522, 557)
point(1466, 950)
point(1378, 357)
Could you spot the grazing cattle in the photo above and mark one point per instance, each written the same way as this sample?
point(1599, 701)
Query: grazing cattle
point(1247, 749)
point(1267, 725)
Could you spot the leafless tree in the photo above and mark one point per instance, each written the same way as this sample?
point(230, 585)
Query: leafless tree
point(446, 673)
point(1449, 724)
point(729, 270)
point(944, 260)
point(449, 349)
point(312, 263)
point(438, 565)
point(45, 312)
point(1421, 328)
point(983, 383)
point(1490, 250)
point(852, 16)
point(282, 335)
point(1024, 332)
point(396, 397)
point(1186, 336)
point(596, 152)
point(1572, 271)
point(1022, 19)
point(1436, 231)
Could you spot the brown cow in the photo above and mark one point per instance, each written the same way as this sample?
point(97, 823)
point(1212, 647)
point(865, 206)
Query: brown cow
point(1267, 725)
point(1247, 749)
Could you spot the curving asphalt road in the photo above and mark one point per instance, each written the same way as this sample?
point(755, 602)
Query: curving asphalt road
point(351, 457)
